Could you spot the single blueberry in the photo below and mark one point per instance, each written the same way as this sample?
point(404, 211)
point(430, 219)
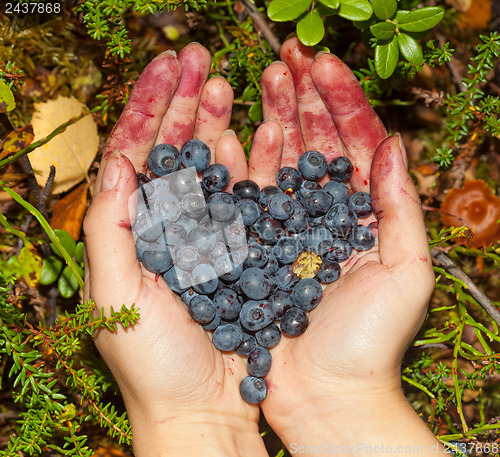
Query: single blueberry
point(227, 337)
point(294, 322)
point(288, 178)
point(259, 362)
point(340, 168)
point(215, 177)
point(195, 153)
point(256, 314)
point(246, 189)
point(361, 204)
point(362, 238)
point(253, 390)
point(255, 283)
point(328, 272)
point(312, 165)
point(164, 159)
point(201, 309)
point(307, 294)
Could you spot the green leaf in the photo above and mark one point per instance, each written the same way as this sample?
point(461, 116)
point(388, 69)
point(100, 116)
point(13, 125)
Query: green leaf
point(386, 58)
point(255, 112)
point(67, 242)
point(249, 93)
point(355, 10)
point(67, 283)
point(287, 10)
point(79, 252)
point(421, 19)
point(310, 29)
point(400, 14)
point(383, 30)
point(384, 9)
point(52, 267)
point(333, 4)
point(410, 49)
point(7, 102)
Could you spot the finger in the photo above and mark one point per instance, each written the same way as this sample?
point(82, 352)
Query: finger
point(401, 230)
point(360, 129)
point(214, 113)
point(230, 153)
point(135, 132)
point(178, 123)
point(318, 130)
point(265, 154)
point(279, 103)
point(113, 269)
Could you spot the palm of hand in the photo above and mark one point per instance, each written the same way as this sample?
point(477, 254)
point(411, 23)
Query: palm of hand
point(360, 330)
point(166, 361)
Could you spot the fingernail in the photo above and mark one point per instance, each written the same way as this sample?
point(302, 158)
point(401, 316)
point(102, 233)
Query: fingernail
point(403, 150)
point(320, 53)
point(112, 170)
point(169, 51)
point(229, 132)
point(291, 35)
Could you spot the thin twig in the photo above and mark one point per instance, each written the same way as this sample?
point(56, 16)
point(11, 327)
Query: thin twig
point(261, 23)
point(24, 228)
point(35, 188)
point(454, 270)
point(48, 184)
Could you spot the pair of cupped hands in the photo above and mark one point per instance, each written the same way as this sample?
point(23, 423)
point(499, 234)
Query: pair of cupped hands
point(339, 382)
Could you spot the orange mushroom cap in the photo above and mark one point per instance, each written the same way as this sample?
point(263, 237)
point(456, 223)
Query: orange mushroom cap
point(476, 207)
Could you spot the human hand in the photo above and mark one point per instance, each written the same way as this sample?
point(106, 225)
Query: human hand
point(182, 395)
point(339, 382)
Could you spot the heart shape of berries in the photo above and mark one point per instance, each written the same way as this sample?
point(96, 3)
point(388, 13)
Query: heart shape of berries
point(250, 264)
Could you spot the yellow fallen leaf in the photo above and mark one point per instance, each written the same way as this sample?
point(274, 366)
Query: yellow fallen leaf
point(71, 152)
point(307, 265)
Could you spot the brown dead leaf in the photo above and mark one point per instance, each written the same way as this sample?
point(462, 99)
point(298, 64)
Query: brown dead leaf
point(71, 152)
point(68, 212)
point(477, 16)
point(307, 265)
point(16, 140)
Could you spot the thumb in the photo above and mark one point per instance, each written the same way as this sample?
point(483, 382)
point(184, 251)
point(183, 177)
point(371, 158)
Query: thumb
point(114, 273)
point(402, 235)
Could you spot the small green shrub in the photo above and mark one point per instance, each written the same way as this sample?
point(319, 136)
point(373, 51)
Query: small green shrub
point(391, 31)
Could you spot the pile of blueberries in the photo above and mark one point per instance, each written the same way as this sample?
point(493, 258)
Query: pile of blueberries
point(250, 264)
